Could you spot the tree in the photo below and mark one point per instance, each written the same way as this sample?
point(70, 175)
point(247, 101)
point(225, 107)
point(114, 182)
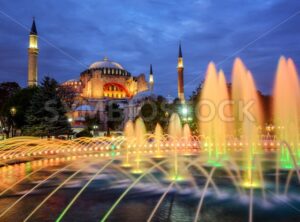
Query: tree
point(115, 116)
point(67, 94)
point(196, 93)
point(92, 121)
point(155, 110)
point(21, 101)
point(46, 115)
point(7, 90)
point(84, 133)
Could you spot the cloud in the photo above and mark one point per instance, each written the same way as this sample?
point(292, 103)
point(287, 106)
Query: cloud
point(136, 33)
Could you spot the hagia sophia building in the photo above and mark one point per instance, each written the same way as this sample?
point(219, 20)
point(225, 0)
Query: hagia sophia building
point(102, 82)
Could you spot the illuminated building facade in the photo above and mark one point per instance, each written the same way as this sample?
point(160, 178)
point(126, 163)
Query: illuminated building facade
point(107, 79)
point(103, 82)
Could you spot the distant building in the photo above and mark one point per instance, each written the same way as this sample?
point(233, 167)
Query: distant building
point(108, 80)
point(105, 81)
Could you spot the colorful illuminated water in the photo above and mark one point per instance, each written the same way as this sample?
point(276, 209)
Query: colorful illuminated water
point(232, 169)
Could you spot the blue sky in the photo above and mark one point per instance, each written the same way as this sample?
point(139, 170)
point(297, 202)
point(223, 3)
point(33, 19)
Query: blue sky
point(74, 34)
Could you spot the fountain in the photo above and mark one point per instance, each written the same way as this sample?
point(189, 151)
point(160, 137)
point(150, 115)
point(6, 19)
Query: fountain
point(158, 138)
point(230, 166)
point(244, 94)
point(130, 141)
point(212, 125)
point(286, 110)
point(140, 138)
point(175, 135)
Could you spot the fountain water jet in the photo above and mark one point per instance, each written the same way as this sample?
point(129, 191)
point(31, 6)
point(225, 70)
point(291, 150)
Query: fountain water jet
point(244, 94)
point(158, 140)
point(286, 110)
point(130, 139)
point(140, 135)
point(175, 135)
point(212, 125)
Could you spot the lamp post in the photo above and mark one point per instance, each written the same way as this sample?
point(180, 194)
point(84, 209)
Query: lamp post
point(70, 120)
point(95, 129)
point(185, 111)
point(13, 112)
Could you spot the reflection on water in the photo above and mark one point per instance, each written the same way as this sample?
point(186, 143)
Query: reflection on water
point(179, 205)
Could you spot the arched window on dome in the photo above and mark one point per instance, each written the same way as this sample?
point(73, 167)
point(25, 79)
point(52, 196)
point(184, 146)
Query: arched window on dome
point(115, 90)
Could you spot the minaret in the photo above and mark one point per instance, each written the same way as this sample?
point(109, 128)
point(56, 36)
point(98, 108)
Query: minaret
point(180, 76)
point(33, 52)
point(151, 80)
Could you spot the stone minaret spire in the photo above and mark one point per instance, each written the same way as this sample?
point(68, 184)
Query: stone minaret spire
point(180, 76)
point(33, 52)
point(151, 80)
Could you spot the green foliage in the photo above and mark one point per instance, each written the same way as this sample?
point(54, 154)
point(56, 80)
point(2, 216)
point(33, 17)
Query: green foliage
point(7, 91)
point(67, 95)
point(46, 115)
point(21, 101)
point(84, 133)
point(196, 93)
point(115, 116)
point(92, 121)
point(156, 110)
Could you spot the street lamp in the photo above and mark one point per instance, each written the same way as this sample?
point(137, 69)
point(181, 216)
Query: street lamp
point(166, 114)
point(184, 110)
point(185, 113)
point(13, 112)
point(95, 129)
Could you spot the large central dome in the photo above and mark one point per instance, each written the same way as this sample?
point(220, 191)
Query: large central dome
point(105, 63)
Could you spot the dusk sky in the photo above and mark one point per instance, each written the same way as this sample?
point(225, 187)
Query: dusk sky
point(135, 33)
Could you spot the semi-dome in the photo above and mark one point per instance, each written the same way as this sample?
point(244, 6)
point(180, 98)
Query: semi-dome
point(85, 108)
point(142, 96)
point(105, 63)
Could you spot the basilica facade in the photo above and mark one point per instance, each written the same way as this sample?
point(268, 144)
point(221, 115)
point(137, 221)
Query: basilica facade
point(104, 82)
point(108, 79)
